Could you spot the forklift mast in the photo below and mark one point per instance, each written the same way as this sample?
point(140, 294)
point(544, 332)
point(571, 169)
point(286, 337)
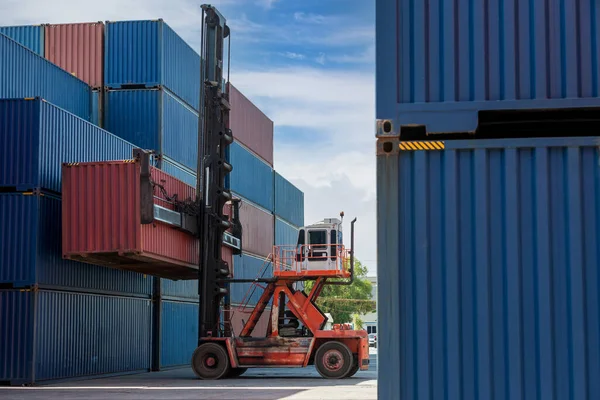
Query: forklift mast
point(213, 139)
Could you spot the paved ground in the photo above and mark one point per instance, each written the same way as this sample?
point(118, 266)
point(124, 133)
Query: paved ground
point(264, 384)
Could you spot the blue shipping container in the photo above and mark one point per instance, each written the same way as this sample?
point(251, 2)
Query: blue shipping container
point(31, 253)
point(151, 54)
point(25, 74)
point(186, 290)
point(36, 137)
point(246, 266)
point(251, 177)
point(285, 234)
point(178, 171)
point(48, 335)
point(289, 201)
point(179, 333)
point(154, 119)
point(97, 108)
point(30, 36)
point(439, 62)
point(489, 285)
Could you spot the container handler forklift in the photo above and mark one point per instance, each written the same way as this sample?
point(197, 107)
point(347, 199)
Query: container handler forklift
point(319, 255)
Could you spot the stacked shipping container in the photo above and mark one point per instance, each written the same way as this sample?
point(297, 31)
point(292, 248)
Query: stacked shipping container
point(488, 249)
point(139, 80)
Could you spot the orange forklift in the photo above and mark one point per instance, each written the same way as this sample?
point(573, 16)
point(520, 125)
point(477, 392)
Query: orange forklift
point(295, 334)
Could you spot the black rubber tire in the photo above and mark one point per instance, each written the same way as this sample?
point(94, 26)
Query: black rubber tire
point(214, 353)
point(333, 360)
point(354, 369)
point(236, 372)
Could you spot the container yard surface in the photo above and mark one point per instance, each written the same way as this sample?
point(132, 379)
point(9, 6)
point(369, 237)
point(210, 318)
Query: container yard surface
point(255, 384)
point(488, 269)
point(440, 62)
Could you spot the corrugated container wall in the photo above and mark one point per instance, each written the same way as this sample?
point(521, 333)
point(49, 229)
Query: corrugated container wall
point(49, 136)
point(97, 108)
point(106, 195)
point(154, 119)
point(179, 333)
point(257, 229)
point(289, 201)
point(188, 290)
point(78, 49)
point(247, 266)
point(51, 335)
point(250, 125)
point(285, 234)
point(439, 62)
point(251, 178)
point(31, 254)
point(178, 171)
point(26, 74)
point(488, 270)
point(30, 36)
point(151, 54)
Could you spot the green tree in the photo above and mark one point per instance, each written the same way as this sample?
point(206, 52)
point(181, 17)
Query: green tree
point(342, 302)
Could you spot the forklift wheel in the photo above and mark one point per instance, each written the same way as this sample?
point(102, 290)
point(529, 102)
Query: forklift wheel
point(210, 361)
point(236, 372)
point(353, 370)
point(334, 360)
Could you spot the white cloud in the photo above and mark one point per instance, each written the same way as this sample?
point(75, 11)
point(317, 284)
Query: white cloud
point(309, 18)
point(294, 56)
point(321, 59)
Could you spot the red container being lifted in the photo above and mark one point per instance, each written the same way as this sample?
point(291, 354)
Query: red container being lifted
point(101, 213)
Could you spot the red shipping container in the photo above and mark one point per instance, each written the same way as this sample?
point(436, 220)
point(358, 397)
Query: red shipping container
point(240, 317)
point(78, 49)
point(102, 222)
point(250, 126)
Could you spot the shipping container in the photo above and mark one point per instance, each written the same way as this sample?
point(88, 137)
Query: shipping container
point(188, 290)
point(257, 228)
point(31, 254)
point(30, 36)
point(251, 178)
point(107, 197)
point(36, 137)
point(49, 335)
point(439, 63)
point(155, 120)
point(250, 125)
point(23, 74)
point(285, 234)
point(178, 334)
point(289, 201)
point(150, 54)
point(247, 266)
point(97, 107)
point(178, 171)
point(78, 49)
point(488, 281)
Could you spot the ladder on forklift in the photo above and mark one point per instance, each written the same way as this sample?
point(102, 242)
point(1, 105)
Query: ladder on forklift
point(267, 288)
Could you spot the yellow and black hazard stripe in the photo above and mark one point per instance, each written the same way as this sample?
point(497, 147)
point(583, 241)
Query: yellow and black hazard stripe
point(428, 145)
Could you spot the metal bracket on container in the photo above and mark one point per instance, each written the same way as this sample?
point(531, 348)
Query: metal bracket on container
point(388, 146)
point(146, 195)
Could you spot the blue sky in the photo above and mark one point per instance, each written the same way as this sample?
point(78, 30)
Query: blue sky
point(308, 64)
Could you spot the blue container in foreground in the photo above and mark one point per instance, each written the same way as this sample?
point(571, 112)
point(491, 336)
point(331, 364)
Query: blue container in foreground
point(488, 271)
point(49, 335)
point(179, 333)
point(36, 137)
point(251, 177)
point(31, 253)
point(154, 119)
point(438, 63)
point(26, 74)
point(30, 36)
point(289, 201)
point(150, 54)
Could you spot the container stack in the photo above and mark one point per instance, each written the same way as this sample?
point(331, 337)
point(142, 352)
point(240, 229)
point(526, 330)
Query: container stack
point(61, 84)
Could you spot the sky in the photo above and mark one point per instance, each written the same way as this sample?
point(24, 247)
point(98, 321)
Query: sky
point(309, 65)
